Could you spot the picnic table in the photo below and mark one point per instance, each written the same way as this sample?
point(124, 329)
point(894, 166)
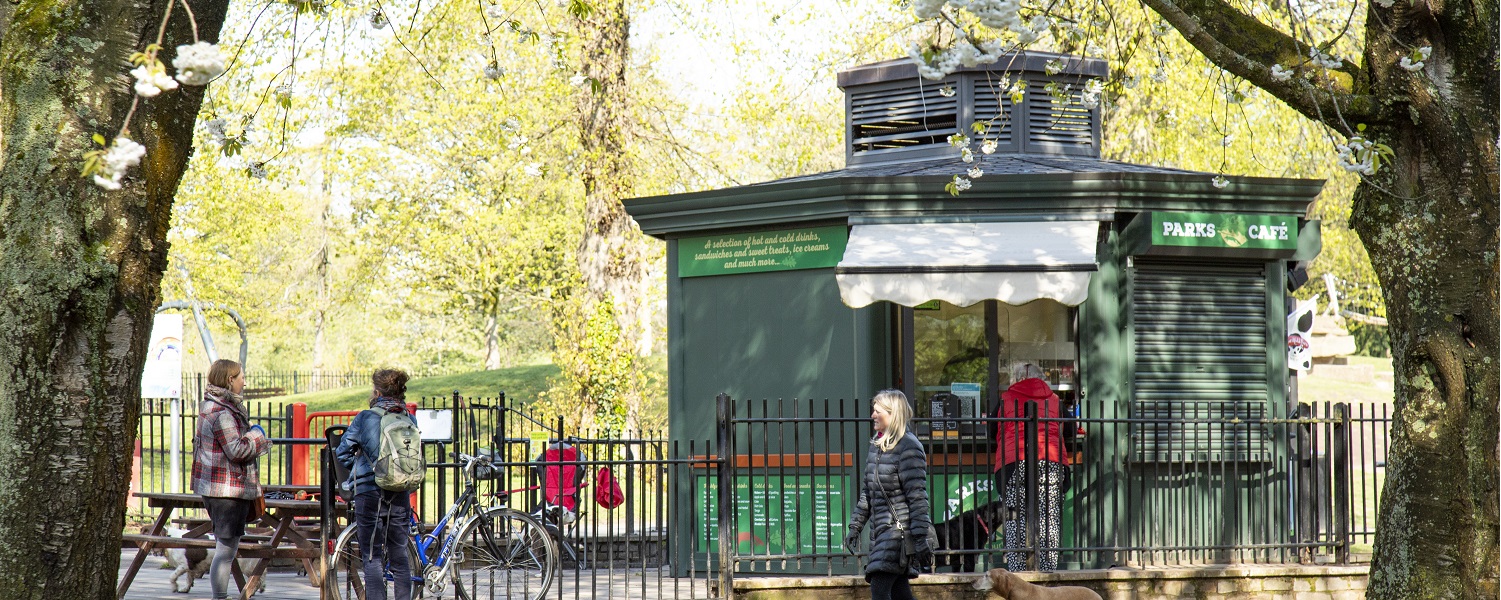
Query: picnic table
point(288, 538)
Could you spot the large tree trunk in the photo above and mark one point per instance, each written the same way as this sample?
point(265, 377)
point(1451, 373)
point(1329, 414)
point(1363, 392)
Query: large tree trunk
point(1430, 226)
point(80, 271)
point(613, 255)
point(1429, 221)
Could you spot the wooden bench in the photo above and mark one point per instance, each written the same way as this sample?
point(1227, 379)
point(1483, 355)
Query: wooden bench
point(250, 546)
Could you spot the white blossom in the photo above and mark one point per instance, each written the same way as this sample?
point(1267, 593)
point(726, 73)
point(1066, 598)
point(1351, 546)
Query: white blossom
point(378, 19)
point(966, 155)
point(213, 129)
point(1281, 74)
point(995, 14)
point(494, 71)
point(1324, 60)
point(578, 79)
point(517, 141)
point(532, 169)
point(1159, 75)
point(1094, 50)
point(959, 140)
point(152, 79)
point(1227, 140)
point(198, 63)
point(1161, 28)
point(975, 172)
point(1357, 155)
point(120, 156)
point(928, 9)
point(1053, 67)
point(257, 170)
point(988, 146)
point(946, 91)
point(1415, 61)
point(1090, 96)
point(495, 11)
point(961, 183)
point(1219, 181)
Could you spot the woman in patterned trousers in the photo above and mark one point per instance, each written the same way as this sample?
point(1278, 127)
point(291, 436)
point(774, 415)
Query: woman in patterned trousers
point(1011, 466)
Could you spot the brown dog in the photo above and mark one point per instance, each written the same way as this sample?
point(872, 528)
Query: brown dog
point(1007, 585)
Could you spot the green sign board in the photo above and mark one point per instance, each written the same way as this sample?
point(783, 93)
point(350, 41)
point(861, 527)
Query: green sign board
point(777, 514)
point(763, 251)
point(1220, 230)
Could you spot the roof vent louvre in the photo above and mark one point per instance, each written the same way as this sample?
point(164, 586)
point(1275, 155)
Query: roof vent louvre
point(895, 116)
point(1060, 119)
point(902, 116)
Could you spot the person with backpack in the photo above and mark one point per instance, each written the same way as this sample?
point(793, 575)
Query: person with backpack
point(383, 450)
point(225, 473)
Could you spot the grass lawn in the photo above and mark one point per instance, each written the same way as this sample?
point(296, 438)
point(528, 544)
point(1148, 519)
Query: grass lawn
point(522, 383)
point(1314, 389)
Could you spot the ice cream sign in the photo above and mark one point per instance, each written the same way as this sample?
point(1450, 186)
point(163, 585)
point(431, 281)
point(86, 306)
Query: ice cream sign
point(1221, 230)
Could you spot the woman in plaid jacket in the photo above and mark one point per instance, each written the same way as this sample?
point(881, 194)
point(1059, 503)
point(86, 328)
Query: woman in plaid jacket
point(224, 469)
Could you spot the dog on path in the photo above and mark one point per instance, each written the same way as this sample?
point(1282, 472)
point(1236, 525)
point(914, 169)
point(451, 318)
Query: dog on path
point(194, 562)
point(971, 530)
point(1007, 585)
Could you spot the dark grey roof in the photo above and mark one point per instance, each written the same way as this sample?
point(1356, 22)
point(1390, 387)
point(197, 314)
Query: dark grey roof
point(992, 164)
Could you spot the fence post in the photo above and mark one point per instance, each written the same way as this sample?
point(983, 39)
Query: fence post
point(298, 415)
point(1033, 559)
point(1341, 449)
point(726, 506)
point(175, 444)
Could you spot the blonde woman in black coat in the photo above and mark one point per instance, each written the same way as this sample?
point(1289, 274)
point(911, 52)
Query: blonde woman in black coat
point(893, 497)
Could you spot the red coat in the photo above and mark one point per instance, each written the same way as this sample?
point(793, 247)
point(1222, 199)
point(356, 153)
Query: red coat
point(1012, 434)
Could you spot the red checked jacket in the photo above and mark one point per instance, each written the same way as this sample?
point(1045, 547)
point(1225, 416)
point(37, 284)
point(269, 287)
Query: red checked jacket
point(225, 448)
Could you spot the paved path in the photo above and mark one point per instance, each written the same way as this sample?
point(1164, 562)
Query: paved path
point(153, 583)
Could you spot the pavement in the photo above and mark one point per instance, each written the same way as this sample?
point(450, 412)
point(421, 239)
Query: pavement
point(154, 582)
point(288, 583)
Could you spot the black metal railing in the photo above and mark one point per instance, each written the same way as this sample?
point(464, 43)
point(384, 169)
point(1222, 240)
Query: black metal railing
point(1139, 491)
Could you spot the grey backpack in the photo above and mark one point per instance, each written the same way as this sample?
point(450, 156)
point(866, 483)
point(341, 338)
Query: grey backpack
point(399, 466)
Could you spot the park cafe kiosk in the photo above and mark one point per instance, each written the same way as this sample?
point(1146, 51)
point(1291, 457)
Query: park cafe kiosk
point(1142, 291)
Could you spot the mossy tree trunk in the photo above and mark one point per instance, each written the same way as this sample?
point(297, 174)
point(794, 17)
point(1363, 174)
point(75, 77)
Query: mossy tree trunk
point(80, 274)
point(1429, 221)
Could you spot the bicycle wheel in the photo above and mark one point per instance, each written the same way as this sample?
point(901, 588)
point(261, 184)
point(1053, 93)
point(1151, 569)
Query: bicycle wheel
point(344, 578)
point(502, 553)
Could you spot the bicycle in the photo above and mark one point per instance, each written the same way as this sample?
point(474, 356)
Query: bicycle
point(496, 552)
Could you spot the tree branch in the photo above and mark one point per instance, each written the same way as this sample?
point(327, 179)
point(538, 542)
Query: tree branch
point(1248, 48)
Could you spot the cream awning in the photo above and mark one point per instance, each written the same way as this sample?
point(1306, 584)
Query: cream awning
point(964, 263)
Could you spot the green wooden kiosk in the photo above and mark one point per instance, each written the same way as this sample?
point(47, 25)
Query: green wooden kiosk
point(1142, 291)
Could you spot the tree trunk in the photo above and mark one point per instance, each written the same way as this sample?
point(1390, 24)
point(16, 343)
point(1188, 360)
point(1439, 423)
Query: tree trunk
point(613, 255)
point(1429, 221)
point(81, 272)
point(1430, 226)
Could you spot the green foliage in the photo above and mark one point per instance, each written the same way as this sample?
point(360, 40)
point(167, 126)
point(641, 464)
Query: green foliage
point(523, 384)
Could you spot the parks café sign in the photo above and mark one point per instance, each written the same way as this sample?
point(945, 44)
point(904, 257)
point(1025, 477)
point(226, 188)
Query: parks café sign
point(1221, 230)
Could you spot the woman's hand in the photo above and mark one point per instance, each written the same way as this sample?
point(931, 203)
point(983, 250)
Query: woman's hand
point(852, 541)
point(923, 557)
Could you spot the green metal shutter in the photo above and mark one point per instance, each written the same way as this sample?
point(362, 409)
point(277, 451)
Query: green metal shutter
point(1200, 361)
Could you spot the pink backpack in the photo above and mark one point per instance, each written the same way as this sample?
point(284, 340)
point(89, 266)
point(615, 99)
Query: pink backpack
point(607, 491)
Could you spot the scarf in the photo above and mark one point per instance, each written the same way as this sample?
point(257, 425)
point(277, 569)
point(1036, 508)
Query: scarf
point(223, 396)
point(389, 404)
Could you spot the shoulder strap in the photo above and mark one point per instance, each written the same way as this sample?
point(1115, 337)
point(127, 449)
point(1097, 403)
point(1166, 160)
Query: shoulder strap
point(889, 504)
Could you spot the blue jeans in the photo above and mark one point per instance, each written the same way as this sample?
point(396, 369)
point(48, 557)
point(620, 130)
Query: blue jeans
point(384, 518)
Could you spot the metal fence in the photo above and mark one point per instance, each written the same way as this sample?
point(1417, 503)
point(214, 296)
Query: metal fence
point(268, 383)
point(773, 493)
point(1135, 496)
point(635, 550)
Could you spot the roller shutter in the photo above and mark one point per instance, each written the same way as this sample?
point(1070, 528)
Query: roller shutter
point(1200, 361)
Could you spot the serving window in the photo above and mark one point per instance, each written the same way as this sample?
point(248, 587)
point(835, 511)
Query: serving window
point(955, 360)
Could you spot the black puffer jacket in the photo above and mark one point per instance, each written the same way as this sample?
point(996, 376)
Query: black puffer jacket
point(902, 476)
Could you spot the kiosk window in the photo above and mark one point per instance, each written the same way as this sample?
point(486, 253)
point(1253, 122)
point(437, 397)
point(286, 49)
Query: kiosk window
point(955, 358)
